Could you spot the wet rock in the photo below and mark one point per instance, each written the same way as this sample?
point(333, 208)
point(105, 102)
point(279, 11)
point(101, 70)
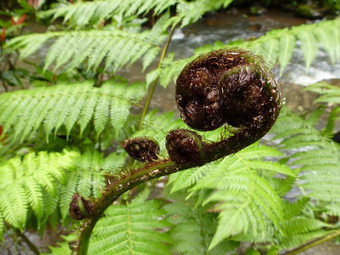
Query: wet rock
point(309, 11)
point(256, 10)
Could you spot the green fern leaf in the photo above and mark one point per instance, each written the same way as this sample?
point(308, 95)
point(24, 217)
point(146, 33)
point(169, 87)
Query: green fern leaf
point(87, 177)
point(327, 37)
point(248, 204)
point(27, 184)
point(297, 240)
point(129, 229)
point(74, 47)
point(82, 14)
point(315, 155)
point(63, 105)
point(309, 43)
point(193, 227)
point(67, 192)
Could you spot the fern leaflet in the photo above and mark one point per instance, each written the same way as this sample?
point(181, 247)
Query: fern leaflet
point(23, 112)
point(82, 14)
point(130, 229)
point(193, 227)
point(71, 48)
point(29, 183)
point(315, 155)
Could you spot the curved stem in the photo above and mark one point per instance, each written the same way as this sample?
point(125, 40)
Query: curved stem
point(148, 100)
point(208, 153)
point(314, 243)
point(143, 174)
point(33, 248)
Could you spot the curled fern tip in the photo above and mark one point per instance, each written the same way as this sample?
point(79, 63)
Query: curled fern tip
point(224, 87)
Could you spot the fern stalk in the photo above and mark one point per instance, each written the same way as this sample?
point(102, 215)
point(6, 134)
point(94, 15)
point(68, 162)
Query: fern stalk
point(314, 243)
point(148, 172)
point(147, 103)
point(33, 248)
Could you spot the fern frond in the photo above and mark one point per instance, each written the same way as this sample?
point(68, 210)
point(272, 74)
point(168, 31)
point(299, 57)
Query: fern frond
point(64, 105)
point(185, 179)
point(294, 209)
point(82, 14)
point(298, 239)
point(193, 227)
point(247, 202)
point(71, 48)
point(330, 95)
point(87, 177)
point(320, 178)
point(300, 225)
point(130, 229)
point(190, 12)
point(23, 183)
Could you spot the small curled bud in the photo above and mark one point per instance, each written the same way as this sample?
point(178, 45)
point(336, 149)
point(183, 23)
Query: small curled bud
point(144, 149)
point(80, 208)
point(185, 146)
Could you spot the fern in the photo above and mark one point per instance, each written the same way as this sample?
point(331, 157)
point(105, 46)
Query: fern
point(87, 177)
point(187, 12)
point(299, 227)
point(315, 155)
point(130, 229)
point(193, 227)
point(71, 48)
point(246, 201)
point(186, 179)
point(276, 45)
point(329, 95)
point(23, 112)
point(190, 12)
point(81, 14)
point(29, 184)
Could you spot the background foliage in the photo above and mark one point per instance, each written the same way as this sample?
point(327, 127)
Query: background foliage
point(61, 132)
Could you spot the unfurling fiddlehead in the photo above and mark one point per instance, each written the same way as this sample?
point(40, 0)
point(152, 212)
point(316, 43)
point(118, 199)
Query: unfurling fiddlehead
point(228, 86)
point(225, 87)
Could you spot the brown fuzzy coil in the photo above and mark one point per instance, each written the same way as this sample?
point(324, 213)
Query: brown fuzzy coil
point(228, 86)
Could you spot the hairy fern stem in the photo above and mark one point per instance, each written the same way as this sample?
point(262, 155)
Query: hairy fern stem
point(148, 100)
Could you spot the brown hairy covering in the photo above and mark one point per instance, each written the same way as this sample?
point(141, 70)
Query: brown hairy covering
point(143, 149)
point(227, 86)
point(80, 208)
point(184, 146)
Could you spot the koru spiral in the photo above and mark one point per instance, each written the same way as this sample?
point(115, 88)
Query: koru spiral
point(224, 87)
